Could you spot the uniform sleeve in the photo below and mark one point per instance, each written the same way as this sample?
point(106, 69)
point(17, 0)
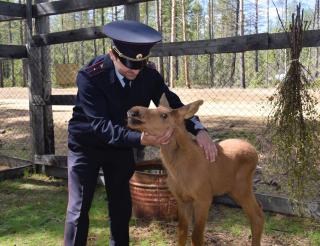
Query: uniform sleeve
point(193, 124)
point(92, 102)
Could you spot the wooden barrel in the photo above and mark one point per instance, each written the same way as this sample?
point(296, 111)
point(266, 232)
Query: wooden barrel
point(151, 198)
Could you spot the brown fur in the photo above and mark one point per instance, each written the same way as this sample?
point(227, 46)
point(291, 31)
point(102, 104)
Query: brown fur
point(192, 179)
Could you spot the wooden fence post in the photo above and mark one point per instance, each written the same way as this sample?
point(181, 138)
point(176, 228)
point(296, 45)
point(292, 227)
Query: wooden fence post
point(42, 25)
point(39, 87)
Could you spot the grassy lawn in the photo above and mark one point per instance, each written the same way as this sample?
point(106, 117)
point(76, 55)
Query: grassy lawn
point(32, 211)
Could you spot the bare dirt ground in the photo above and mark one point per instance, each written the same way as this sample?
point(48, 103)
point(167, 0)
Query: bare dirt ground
point(223, 108)
point(2, 167)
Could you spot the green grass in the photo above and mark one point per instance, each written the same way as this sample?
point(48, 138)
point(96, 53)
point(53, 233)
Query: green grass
point(304, 228)
point(32, 212)
point(290, 229)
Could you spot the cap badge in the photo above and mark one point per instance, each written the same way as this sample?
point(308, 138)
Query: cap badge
point(139, 56)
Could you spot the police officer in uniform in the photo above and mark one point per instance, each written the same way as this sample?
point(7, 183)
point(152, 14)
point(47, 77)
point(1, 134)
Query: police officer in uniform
point(98, 138)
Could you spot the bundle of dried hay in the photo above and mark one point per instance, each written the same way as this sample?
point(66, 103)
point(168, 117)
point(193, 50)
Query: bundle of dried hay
point(293, 122)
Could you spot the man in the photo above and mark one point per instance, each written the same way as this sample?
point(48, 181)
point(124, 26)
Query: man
point(107, 87)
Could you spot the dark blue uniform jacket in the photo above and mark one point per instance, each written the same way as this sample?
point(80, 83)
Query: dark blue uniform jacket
point(99, 116)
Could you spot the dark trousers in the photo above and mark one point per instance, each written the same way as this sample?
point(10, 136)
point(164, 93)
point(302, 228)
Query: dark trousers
point(83, 170)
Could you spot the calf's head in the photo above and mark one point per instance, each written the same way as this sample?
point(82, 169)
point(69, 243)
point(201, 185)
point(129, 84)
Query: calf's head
point(157, 121)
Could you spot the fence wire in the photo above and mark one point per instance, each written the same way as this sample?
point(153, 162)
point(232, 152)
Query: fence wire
point(229, 110)
point(15, 139)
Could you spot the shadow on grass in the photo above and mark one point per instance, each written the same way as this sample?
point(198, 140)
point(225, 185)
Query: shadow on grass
point(34, 207)
point(15, 133)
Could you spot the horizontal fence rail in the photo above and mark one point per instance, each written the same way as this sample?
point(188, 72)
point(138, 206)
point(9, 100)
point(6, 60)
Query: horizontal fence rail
point(9, 18)
point(81, 34)
point(263, 41)
point(15, 11)
point(67, 6)
point(12, 9)
point(13, 51)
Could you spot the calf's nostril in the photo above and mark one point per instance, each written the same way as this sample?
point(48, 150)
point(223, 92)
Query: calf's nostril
point(135, 114)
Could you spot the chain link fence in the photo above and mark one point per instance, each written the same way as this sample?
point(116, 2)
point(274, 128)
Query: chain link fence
point(230, 110)
point(15, 139)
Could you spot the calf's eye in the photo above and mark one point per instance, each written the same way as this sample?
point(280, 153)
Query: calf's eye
point(164, 116)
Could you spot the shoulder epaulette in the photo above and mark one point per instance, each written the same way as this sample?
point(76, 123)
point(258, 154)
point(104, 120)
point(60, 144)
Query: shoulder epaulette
point(95, 69)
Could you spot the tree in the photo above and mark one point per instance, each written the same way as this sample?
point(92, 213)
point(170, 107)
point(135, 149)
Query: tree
point(24, 61)
point(115, 13)
point(236, 33)
point(146, 20)
point(268, 29)
point(226, 24)
point(172, 39)
point(184, 31)
point(65, 57)
point(102, 23)
point(286, 25)
point(94, 41)
point(195, 29)
point(159, 28)
point(257, 31)
point(316, 25)
point(12, 61)
point(76, 50)
point(211, 36)
point(11, 29)
point(81, 43)
point(242, 60)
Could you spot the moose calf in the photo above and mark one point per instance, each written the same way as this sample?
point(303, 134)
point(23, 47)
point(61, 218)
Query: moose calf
point(192, 179)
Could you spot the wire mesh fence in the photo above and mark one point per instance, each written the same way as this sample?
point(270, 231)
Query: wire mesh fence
point(228, 111)
point(14, 111)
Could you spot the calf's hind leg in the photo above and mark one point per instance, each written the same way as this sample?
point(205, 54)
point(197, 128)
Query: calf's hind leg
point(250, 206)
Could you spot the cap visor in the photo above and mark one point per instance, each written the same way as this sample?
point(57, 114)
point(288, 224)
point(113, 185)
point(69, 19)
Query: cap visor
point(133, 64)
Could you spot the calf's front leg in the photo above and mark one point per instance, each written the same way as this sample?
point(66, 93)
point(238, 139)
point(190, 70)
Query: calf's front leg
point(184, 215)
point(201, 210)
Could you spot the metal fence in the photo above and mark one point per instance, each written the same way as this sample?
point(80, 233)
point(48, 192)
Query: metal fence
point(14, 113)
point(229, 110)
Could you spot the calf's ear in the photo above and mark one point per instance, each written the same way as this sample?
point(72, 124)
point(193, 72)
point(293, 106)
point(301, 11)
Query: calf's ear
point(163, 101)
point(190, 109)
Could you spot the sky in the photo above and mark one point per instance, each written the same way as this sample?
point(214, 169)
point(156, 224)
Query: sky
point(304, 3)
point(307, 5)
